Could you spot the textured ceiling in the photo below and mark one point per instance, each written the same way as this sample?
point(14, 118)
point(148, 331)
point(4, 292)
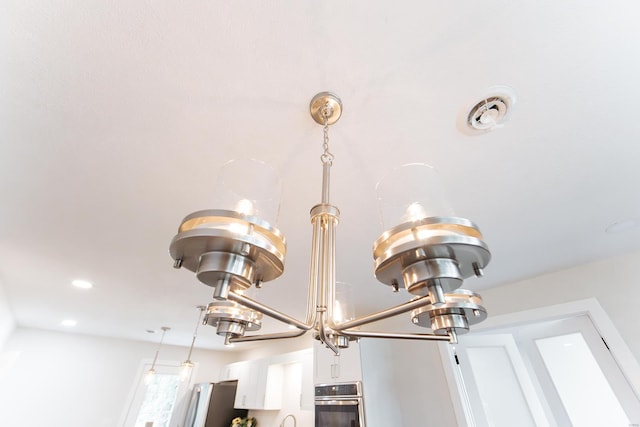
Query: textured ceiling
point(116, 116)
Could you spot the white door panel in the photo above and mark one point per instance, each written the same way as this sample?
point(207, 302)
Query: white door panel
point(578, 372)
point(551, 372)
point(499, 388)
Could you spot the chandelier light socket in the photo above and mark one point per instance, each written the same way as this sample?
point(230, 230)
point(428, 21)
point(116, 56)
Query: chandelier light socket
point(422, 276)
point(230, 318)
point(226, 270)
point(228, 249)
point(417, 254)
point(461, 309)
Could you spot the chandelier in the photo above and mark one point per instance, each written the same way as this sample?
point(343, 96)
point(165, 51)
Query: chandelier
point(429, 256)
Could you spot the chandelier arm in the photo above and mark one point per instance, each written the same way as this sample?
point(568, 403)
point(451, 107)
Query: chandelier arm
point(323, 334)
point(268, 311)
point(384, 314)
point(329, 263)
point(396, 335)
point(266, 337)
point(312, 293)
point(155, 358)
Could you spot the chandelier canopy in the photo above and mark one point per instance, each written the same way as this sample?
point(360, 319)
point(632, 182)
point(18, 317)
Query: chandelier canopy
point(235, 249)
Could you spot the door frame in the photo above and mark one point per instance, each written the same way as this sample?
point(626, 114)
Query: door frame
point(589, 307)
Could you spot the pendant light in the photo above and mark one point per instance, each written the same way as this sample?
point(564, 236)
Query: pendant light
point(427, 251)
point(187, 366)
point(148, 378)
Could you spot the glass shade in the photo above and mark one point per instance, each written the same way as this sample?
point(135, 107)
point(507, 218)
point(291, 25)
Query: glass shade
point(250, 187)
point(410, 193)
point(149, 376)
point(185, 370)
point(343, 309)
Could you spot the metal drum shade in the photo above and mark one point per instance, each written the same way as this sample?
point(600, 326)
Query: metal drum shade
point(222, 245)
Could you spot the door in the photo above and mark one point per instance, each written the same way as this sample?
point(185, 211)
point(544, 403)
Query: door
point(562, 369)
point(498, 386)
point(581, 380)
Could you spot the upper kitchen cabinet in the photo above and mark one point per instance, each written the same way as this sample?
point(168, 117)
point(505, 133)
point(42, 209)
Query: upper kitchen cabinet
point(329, 368)
point(259, 383)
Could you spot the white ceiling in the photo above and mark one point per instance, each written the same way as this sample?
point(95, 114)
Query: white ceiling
point(116, 116)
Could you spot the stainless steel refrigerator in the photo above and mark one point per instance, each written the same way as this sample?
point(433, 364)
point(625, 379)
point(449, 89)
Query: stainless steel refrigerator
point(211, 405)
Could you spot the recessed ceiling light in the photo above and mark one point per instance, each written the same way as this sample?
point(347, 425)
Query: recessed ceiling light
point(82, 284)
point(69, 323)
point(621, 226)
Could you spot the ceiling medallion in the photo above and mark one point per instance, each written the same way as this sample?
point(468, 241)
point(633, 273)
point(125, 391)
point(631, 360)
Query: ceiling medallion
point(234, 250)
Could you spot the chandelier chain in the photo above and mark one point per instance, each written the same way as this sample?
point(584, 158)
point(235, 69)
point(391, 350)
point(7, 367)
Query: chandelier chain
point(327, 156)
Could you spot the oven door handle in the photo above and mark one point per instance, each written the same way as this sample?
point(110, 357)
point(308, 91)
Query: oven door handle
point(350, 402)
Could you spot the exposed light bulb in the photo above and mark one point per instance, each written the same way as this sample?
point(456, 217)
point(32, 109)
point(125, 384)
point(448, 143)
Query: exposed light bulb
point(337, 312)
point(185, 370)
point(148, 377)
point(245, 207)
point(238, 228)
point(415, 211)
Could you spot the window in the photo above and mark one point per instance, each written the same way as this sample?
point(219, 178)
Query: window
point(159, 400)
point(159, 403)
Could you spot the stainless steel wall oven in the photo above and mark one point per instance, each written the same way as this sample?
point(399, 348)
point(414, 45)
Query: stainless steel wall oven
point(339, 405)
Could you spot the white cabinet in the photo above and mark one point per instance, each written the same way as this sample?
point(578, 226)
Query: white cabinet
point(246, 391)
point(232, 371)
point(329, 368)
point(307, 391)
point(268, 385)
point(259, 384)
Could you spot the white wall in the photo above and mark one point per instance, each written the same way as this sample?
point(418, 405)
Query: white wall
point(614, 282)
point(404, 384)
point(61, 380)
point(7, 322)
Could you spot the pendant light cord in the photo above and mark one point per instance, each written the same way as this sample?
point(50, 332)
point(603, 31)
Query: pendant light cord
point(155, 359)
point(195, 332)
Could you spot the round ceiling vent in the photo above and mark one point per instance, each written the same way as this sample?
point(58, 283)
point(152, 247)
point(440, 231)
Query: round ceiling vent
point(490, 112)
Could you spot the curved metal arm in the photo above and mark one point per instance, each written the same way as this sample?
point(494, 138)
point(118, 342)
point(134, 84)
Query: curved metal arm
point(271, 312)
point(323, 335)
point(384, 314)
point(265, 337)
point(395, 335)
